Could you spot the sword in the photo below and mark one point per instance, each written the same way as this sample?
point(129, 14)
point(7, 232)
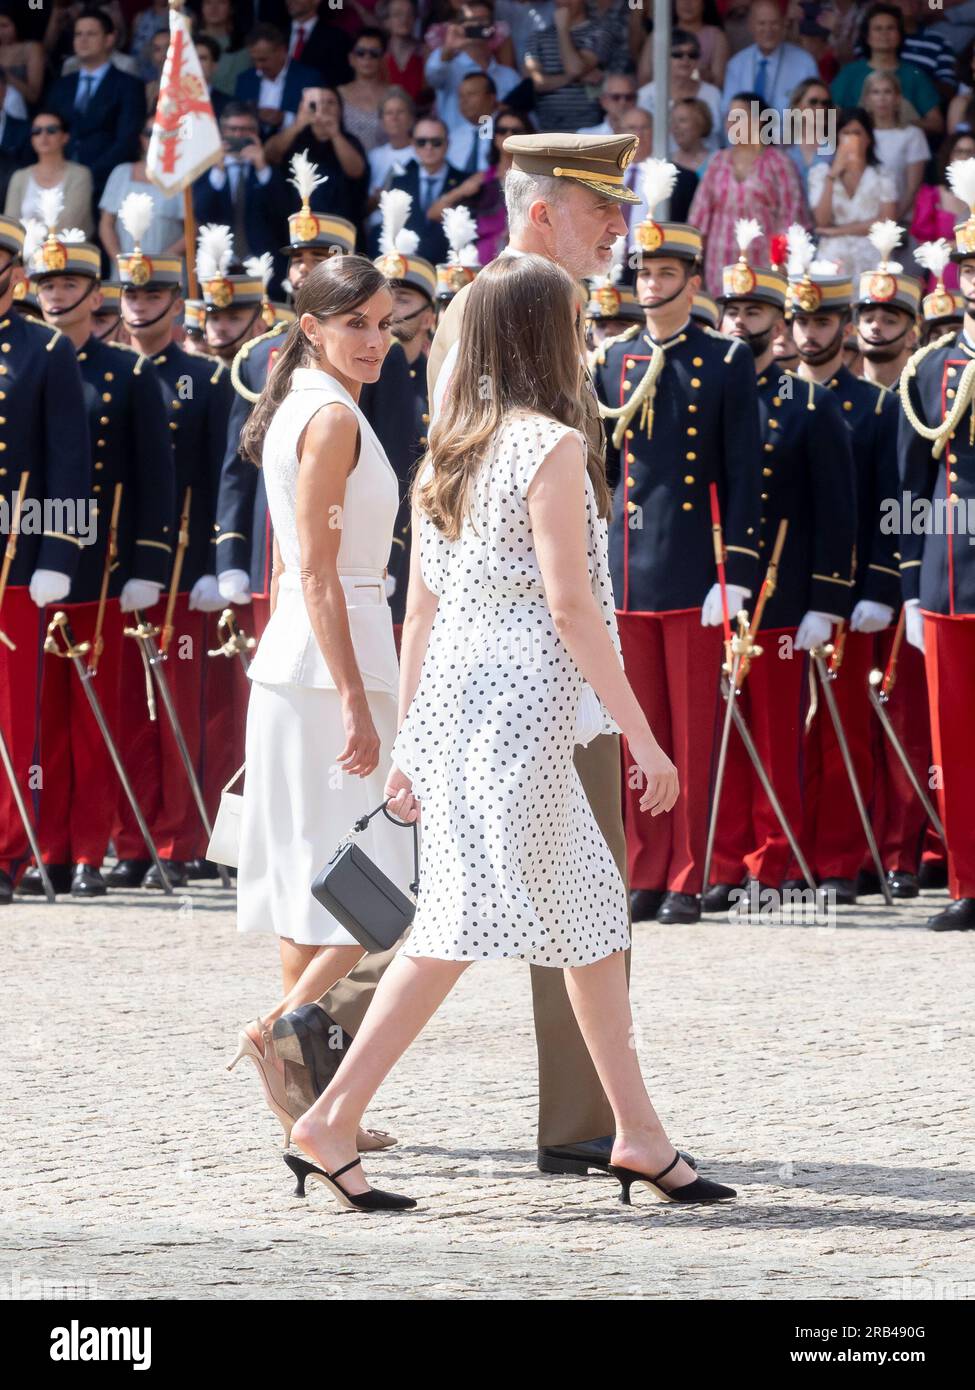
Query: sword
point(146, 634)
point(878, 699)
point(60, 626)
point(182, 542)
point(819, 656)
point(236, 643)
point(738, 646)
point(8, 767)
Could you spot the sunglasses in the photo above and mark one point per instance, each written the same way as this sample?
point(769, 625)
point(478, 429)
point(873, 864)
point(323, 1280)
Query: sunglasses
point(508, 130)
point(430, 140)
point(819, 101)
point(685, 53)
point(618, 96)
point(367, 52)
point(46, 130)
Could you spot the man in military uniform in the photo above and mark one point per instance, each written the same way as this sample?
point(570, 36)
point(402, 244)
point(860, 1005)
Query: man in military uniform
point(397, 405)
point(833, 834)
point(108, 316)
point(129, 443)
point(196, 395)
point(808, 480)
point(611, 310)
point(936, 457)
point(194, 327)
point(681, 412)
point(564, 194)
point(885, 318)
point(42, 432)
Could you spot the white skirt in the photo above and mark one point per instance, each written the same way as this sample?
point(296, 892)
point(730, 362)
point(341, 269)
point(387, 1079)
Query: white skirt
point(298, 805)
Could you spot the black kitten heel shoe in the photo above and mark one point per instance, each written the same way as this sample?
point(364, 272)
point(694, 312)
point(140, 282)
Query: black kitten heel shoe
point(373, 1200)
point(700, 1190)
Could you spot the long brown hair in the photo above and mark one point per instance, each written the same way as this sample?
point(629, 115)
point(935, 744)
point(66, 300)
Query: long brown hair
point(335, 286)
point(520, 348)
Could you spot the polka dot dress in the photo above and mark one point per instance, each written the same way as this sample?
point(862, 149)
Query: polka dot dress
point(513, 864)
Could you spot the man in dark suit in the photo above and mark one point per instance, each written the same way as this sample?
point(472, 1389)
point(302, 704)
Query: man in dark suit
point(101, 106)
point(244, 192)
point(314, 43)
point(427, 182)
point(275, 82)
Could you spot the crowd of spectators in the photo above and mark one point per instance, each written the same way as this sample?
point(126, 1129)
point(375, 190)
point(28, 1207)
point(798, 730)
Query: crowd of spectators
point(832, 113)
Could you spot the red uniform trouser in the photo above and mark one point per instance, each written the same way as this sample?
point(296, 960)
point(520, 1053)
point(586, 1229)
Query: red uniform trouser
point(80, 784)
point(949, 645)
point(749, 837)
point(833, 837)
point(673, 665)
point(23, 623)
point(149, 749)
point(225, 695)
point(899, 819)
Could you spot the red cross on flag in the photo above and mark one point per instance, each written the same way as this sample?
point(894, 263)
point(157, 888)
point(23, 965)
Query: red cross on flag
point(185, 135)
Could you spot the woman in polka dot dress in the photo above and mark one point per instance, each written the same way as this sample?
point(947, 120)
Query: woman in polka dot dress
point(509, 615)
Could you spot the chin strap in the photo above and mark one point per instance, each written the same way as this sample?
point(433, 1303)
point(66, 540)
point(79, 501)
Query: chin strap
point(965, 391)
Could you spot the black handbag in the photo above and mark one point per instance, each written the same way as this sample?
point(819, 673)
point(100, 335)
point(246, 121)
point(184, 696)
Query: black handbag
point(359, 895)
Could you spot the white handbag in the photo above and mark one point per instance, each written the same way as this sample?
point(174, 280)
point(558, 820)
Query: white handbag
point(224, 846)
point(589, 715)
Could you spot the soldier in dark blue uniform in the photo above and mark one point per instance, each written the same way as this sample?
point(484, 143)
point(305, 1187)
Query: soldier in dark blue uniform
point(43, 432)
point(196, 395)
point(129, 442)
point(611, 310)
point(681, 411)
point(833, 835)
point(808, 481)
point(936, 456)
point(397, 405)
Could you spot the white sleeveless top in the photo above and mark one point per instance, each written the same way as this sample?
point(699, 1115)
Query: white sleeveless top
point(288, 653)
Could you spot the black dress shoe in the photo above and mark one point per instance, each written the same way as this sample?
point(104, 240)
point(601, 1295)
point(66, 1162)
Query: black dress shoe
point(679, 908)
point(794, 885)
point(127, 873)
point(87, 882)
point(577, 1159)
point(903, 884)
point(933, 874)
point(842, 890)
point(175, 872)
point(201, 868)
point(957, 916)
point(308, 1040)
point(867, 884)
point(644, 903)
point(32, 885)
point(6, 888)
point(718, 897)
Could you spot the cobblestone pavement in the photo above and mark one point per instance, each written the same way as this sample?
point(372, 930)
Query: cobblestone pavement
point(826, 1073)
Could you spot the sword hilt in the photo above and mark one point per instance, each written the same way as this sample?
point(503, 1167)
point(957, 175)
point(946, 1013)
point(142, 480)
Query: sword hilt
point(60, 626)
point(743, 645)
point(825, 654)
point(236, 642)
point(143, 630)
point(878, 683)
point(7, 641)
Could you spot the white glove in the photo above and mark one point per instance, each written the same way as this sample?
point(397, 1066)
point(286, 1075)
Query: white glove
point(48, 586)
point(814, 630)
point(205, 595)
point(234, 586)
point(871, 617)
point(138, 593)
point(712, 610)
point(390, 585)
point(914, 623)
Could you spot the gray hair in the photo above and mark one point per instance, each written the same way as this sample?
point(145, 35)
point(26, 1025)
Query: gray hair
point(521, 190)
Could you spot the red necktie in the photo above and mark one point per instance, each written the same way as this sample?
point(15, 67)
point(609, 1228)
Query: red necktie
point(299, 43)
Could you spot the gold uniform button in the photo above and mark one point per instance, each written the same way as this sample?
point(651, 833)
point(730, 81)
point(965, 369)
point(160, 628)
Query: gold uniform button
point(952, 371)
point(3, 369)
point(629, 434)
point(106, 395)
point(627, 385)
point(3, 419)
point(764, 496)
point(216, 526)
point(949, 392)
point(99, 466)
point(776, 400)
point(100, 443)
point(109, 376)
point(630, 362)
point(6, 347)
point(425, 418)
point(630, 482)
point(750, 531)
point(695, 381)
point(176, 405)
point(952, 458)
point(761, 545)
point(97, 487)
point(104, 420)
point(692, 429)
point(2, 445)
point(768, 448)
point(953, 476)
point(3, 472)
point(423, 439)
point(412, 371)
point(3, 395)
point(687, 506)
point(690, 455)
point(697, 361)
point(835, 381)
point(847, 405)
point(688, 478)
point(173, 425)
point(692, 409)
point(631, 506)
point(773, 424)
point(766, 472)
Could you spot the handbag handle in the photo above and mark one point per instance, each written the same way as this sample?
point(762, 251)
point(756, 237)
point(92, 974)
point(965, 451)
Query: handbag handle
point(363, 821)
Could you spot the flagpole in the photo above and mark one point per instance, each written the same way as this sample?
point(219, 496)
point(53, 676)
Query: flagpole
point(189, 238)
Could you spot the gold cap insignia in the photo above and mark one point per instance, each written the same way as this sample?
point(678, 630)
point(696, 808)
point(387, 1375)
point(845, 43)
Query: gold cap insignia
point(649, 235)
point(53, 254)
point(965, 236)
point(882, 286)
point(608, 299)
point(304, 225)
point(220, 293)
point(392, 265)
point(807, 296)
point(940, 305)
point(741, 279)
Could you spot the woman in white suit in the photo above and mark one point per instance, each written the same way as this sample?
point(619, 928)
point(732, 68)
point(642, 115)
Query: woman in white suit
point(322, 712)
